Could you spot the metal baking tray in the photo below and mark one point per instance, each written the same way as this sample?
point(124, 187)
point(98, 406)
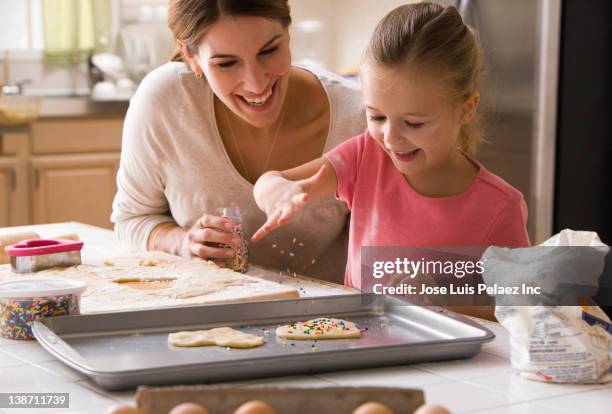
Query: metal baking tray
point(125, 349)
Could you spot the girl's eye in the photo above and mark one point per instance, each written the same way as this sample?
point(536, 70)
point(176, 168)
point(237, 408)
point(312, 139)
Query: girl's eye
point(269, 51)
point(377, 118)
point(415, 126)
point(227, 64)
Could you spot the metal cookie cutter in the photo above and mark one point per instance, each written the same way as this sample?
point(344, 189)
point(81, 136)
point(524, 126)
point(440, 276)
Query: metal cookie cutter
point(38, 254)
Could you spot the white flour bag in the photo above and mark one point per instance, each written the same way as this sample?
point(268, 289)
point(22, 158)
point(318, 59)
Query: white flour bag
point(554, 343)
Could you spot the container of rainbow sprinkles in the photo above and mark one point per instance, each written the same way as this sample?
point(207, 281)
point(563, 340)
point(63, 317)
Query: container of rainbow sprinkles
point(25, 300)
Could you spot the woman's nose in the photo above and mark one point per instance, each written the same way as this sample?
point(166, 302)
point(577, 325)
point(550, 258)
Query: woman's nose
point(255, 78)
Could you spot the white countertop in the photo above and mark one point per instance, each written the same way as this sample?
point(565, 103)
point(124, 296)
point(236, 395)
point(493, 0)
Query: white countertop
point(483, 384)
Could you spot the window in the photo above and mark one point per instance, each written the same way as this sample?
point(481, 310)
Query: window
point(21, 25)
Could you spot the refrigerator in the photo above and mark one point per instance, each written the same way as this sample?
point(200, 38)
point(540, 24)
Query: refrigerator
point(520, 42)
point(547, 109)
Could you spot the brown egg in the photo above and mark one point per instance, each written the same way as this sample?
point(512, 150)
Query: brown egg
point(188, 408)
point(122, 409)
point(431, 409)
point(255, 407)
point(372, 408)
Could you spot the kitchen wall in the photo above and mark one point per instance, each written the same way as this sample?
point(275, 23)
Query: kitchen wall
point(335, 40)
point(45, 79)
point(346, 27)
point(21, 36)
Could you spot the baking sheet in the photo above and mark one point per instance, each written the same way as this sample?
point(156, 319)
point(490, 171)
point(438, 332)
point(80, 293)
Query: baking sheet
point(126, 349)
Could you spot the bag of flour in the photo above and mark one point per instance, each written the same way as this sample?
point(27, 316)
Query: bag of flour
point(547, 342)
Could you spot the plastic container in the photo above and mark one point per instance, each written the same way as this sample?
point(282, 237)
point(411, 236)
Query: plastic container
point(26, 300)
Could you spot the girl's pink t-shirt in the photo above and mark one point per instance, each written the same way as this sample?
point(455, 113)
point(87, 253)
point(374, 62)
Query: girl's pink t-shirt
point(387, 211)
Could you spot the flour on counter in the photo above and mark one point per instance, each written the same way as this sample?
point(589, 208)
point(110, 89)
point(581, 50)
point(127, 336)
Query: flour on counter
point(193, 282)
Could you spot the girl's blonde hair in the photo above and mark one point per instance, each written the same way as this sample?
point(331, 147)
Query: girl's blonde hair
point(433, 40)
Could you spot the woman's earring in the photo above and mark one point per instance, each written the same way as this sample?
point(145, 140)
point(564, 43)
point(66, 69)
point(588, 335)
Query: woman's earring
point(199, 74)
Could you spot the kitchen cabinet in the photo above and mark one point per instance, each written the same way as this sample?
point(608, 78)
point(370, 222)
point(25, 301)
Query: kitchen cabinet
point(74, 188)
point(73, 135)
point(60, 169)
point(74, 162)
point(7, 188)
point(13, 192)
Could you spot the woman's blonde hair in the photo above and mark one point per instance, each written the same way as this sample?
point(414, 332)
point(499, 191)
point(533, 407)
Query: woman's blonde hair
point(189, 19)
point(433, 40)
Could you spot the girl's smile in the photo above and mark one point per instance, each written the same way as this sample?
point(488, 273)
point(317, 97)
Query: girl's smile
point(406, 156)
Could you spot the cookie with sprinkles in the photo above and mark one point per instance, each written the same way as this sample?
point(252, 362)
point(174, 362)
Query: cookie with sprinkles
point(320, 328)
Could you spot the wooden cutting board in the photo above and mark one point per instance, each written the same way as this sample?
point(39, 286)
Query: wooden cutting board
point(296, 400)
point(157, 279)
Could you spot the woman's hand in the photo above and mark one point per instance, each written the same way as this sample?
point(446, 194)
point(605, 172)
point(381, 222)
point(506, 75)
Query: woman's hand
point(282, 199)
point(207, 240)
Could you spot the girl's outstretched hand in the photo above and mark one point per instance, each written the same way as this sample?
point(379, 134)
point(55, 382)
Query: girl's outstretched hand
point(282, 199)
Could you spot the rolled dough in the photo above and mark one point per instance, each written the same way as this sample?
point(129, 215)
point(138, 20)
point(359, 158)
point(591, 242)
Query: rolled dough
point(121, 283)
point(225, 336)
point(320, 328)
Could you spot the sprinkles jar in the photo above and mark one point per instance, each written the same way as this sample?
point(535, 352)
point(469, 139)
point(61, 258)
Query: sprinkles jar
point(240, 261)
point(26, 300)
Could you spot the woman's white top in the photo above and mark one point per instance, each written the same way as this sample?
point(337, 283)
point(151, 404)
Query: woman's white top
point(174, 167)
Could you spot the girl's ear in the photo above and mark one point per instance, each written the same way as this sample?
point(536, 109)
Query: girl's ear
point(190, 59)
point(468, 108)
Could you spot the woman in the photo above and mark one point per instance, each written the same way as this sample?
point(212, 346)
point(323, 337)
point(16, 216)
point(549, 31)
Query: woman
point(202, 129)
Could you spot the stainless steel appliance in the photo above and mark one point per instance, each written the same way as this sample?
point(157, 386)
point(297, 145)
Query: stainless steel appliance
point(520, 41)
point(547, 100)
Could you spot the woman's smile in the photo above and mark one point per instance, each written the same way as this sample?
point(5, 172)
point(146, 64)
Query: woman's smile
point(261, 102)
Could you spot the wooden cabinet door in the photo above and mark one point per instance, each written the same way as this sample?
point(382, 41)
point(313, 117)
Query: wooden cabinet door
point(76, 136)
point(13, 192)
point(74, 188)
point(7, 188)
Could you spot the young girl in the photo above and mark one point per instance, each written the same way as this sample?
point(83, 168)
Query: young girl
point(409, 179)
